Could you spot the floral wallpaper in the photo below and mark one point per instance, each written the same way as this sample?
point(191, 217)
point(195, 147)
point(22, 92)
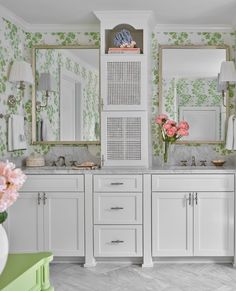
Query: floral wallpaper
point(16, 44)
point(189, 92)
point(54, 61)
point(189, 38)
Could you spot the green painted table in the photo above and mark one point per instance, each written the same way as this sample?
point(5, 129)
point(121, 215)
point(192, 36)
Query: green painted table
point(26, 272)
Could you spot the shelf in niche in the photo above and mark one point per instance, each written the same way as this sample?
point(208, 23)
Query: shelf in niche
point(137, 35)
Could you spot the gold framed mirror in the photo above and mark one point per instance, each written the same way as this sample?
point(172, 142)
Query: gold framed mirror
point(66, 95)
point(189, 90)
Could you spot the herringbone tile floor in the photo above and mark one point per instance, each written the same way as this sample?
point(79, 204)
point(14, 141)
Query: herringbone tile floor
point(162, 277)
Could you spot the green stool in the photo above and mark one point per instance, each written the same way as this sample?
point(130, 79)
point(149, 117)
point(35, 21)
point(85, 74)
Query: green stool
point(26, 272)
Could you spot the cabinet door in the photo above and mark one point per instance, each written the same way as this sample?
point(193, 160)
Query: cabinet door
point(124, 137)
point(171, 224)
point(123, 82)
point(213, 223)
point(25, 224)
point(64, 223)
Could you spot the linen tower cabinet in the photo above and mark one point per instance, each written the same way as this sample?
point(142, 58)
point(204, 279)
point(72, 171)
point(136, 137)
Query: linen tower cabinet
point(125, 90)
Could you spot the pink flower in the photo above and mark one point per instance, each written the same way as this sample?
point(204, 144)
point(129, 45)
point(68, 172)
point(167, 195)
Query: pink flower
point(11, 180)
point(182, 132)
point(183, 125)
point(161, 118)
point(3, 183)
point(16, 177)
point(171, 131)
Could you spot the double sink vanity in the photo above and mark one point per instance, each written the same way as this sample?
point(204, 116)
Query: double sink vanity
point(137, 215)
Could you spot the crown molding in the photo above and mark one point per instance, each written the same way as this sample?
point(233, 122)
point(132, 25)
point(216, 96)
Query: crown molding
point(9, 15)
point(194, 28)
point(28, 27)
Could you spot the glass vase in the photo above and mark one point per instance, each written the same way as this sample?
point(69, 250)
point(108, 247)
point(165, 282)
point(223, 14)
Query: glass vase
point(166, 151)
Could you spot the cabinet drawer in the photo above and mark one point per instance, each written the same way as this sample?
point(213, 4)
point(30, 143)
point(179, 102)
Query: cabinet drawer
point(118, 183)
point(118, 241)
point(193, 182)
point(118, 208)
point(66, 183)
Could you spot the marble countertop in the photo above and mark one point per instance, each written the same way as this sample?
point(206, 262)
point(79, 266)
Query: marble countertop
point(47, 170)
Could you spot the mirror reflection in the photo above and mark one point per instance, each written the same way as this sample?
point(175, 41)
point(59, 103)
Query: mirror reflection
point(67, 94)
point(189, 90)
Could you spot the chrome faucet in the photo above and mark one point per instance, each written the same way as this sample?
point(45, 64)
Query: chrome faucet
point(193, 164)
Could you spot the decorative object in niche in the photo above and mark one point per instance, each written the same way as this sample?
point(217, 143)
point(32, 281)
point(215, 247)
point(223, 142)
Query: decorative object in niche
point(189, 89)
point(171, 131)
point(71, 115)
point(20, 73)
point(123, 39)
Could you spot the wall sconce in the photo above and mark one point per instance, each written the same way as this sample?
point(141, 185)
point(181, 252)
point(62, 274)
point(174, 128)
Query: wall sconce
point(227, 75)
point(20, 73)
point(47, 84)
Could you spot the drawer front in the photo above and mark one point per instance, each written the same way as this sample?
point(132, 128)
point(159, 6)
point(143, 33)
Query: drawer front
point(193, 182)
point(118, 183)
point(118, 208)
point(64, 183)
point(118, 241)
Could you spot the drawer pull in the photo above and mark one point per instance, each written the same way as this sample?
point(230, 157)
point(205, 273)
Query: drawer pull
point(117, 208)
point(116, 183)
point(117, 241)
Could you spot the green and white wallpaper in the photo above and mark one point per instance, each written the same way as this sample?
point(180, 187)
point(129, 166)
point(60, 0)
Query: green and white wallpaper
point(199, 87)
point(55, 61)
point(17, 44)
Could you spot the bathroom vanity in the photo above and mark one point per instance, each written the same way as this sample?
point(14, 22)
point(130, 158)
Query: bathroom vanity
point(137, 215)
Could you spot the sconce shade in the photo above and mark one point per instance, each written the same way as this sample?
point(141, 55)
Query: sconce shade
point(47, 83)
point(21, 71)
point(227, 72)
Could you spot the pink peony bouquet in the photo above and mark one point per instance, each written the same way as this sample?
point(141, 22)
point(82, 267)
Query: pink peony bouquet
point(11, 180)
point(171, 131)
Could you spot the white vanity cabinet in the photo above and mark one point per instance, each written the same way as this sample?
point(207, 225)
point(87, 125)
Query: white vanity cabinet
point(125, 90)
point(49, 215)
point(193, 215)
point(117, 215)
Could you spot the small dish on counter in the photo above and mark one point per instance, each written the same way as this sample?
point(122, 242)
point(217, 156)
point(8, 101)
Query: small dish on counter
point(218, 163)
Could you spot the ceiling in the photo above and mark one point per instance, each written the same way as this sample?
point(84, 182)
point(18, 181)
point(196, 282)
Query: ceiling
point(80, 12)
point(75, 12)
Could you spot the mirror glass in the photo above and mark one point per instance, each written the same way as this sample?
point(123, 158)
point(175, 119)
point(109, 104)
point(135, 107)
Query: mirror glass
point(66, 95)
point(189, 90)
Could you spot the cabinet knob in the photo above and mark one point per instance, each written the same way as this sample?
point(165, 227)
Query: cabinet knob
point(116, 183)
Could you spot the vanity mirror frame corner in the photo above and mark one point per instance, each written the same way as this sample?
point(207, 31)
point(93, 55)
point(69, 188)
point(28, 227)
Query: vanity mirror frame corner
point(160, 89)
point(34, 140)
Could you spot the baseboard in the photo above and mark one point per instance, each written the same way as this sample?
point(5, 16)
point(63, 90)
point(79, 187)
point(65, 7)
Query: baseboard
point(68, 260)
point(193, 260)
point(139, 261)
